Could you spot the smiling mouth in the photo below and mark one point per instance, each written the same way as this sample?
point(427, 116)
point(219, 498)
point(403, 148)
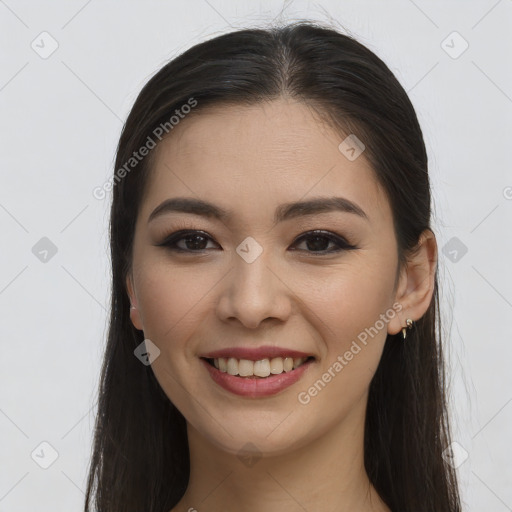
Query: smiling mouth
point(260, 369)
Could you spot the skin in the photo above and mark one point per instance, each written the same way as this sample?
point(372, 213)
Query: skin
point(250, 160)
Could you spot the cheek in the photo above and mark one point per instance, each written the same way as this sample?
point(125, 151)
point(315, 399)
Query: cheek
point(172, 302)
point(354, 336)
point(171, 299)
point(351, 311)
point(348, 298)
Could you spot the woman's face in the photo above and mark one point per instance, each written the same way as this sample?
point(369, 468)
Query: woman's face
point(246, 282)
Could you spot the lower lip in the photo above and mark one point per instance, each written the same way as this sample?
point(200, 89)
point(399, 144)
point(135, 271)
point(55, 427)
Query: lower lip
point(245, 386)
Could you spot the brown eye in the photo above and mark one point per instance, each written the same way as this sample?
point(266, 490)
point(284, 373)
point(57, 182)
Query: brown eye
point(191, 241)
point(319, 241)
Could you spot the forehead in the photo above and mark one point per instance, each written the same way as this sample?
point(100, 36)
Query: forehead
point(252, 158)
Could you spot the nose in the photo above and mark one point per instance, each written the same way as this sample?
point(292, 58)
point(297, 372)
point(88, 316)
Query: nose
point(253, 292)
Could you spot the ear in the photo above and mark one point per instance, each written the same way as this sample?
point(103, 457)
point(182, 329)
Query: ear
point(416, 283)
point(134, 311)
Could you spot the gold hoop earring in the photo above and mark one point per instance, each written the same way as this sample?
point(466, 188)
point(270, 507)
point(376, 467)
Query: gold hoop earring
point(410, 324)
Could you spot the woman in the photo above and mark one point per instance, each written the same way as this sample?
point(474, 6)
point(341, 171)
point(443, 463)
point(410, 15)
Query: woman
point(274, 340)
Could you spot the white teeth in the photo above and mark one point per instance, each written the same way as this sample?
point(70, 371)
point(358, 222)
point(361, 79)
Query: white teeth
point(246, 368)
point(276, 365)
point(223, 364)
point(261, 368)
point(232, 366)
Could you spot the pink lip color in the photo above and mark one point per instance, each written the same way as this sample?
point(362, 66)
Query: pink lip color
point(253, 353)
point(255, 388)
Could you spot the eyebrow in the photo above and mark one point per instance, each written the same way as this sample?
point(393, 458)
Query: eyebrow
point(283, 212)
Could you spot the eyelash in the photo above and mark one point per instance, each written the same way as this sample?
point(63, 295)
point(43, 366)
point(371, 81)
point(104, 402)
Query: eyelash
point(184, 234)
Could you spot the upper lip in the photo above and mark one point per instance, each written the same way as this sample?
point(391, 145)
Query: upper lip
point(255, 354)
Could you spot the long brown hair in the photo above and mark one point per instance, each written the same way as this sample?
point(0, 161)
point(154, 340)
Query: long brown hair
point(140, 455)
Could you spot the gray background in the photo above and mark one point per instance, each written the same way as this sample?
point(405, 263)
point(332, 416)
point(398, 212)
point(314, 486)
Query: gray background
point(61, 116)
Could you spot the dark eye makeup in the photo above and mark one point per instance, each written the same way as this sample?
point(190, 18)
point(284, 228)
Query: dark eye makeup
point(316, 241)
